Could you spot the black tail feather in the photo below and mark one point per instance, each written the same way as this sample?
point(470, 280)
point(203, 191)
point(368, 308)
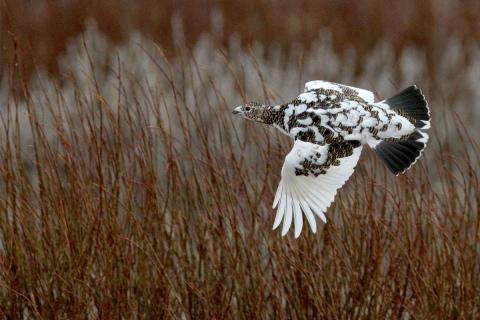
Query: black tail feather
point(400, 155)
point(411, 102)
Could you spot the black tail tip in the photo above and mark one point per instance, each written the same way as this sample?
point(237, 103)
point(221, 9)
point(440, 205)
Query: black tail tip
point(399, 156)
point(412, 103)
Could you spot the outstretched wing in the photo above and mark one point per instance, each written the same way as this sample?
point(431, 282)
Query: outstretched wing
point(366, 95)
point(311, 175)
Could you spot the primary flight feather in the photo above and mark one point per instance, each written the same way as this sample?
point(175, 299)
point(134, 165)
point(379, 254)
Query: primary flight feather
point(330, 123)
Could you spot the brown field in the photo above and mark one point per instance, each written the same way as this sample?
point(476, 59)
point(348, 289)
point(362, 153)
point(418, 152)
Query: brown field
point(129, 191)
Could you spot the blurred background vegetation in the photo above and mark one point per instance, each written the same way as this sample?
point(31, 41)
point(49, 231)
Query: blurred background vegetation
point(41, 29)
point(128, 190)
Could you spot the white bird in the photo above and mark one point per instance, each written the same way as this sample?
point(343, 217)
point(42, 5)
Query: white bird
point(330, 123)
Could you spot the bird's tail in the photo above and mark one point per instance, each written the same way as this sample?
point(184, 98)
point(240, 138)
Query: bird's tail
point(400, 155)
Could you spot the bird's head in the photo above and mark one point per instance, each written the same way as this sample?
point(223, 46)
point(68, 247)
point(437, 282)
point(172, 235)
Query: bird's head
point(252, 111)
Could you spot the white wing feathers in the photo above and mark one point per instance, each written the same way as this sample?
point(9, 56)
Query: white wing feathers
point(366, 95)
point(299, 195)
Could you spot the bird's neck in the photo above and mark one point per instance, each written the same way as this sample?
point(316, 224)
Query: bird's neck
point(273, 115)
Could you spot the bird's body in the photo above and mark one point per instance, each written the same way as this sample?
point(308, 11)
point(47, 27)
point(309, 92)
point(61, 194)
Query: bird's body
point(330, 123)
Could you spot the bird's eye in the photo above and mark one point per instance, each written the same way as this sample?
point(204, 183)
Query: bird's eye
point(248, 108)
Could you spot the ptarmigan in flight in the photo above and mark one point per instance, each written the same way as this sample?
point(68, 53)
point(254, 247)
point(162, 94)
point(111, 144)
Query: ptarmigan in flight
point(330, 123)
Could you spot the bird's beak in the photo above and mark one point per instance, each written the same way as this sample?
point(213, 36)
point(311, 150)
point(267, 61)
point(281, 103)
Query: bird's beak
point(237, 110)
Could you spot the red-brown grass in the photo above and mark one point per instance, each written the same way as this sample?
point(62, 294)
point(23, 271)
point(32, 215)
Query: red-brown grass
point(155, 203)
